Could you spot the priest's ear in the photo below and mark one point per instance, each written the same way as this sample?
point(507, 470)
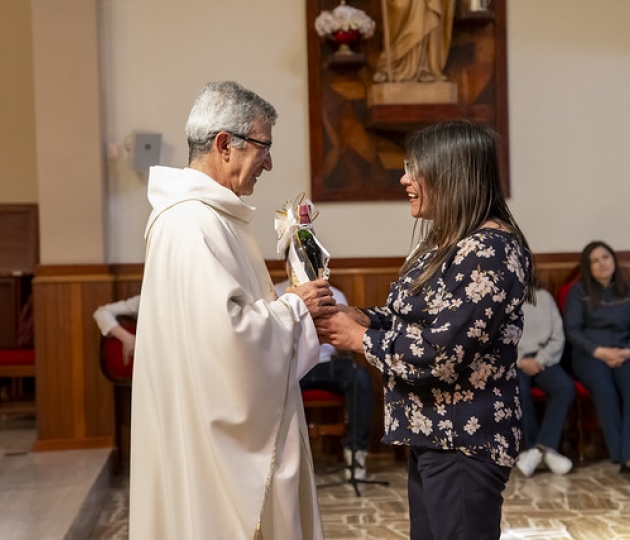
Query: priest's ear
point(223, 143)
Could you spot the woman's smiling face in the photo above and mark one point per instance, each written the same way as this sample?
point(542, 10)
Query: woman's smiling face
point(418, 194)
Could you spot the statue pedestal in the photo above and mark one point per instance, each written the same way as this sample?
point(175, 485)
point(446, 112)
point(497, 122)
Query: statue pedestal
point(412, 93)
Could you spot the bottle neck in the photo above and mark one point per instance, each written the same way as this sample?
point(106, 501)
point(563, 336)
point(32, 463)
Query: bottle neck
point(305, 217)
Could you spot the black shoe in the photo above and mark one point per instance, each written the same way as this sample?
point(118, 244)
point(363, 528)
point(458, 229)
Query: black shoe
point(624, 469)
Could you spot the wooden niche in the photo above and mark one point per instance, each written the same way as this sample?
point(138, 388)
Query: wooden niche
point(357, 150)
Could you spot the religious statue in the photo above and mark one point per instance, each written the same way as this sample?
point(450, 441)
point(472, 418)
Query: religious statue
point(417, 38)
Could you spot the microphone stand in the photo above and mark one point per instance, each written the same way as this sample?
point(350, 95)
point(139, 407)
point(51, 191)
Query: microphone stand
point(354, 464)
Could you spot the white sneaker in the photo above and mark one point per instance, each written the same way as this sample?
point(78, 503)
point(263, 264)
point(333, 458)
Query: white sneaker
point(359, 458)
point(557, 463)
point(528, 461)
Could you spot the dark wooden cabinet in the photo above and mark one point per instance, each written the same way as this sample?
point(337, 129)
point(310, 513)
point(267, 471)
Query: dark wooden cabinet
point(19, 254)
point(14, 293)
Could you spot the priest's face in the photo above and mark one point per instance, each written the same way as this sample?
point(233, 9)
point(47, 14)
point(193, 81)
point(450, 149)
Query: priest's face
point(250, 161)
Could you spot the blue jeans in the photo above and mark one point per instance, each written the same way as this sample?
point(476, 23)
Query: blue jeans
point(337, 376)
point(560, 391)
point(610, 390)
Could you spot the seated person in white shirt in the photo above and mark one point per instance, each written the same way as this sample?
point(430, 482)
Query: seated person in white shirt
point(336, 372)
point(105, 317)
point(539, 354)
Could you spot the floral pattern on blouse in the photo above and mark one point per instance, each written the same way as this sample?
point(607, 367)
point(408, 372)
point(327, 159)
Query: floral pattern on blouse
point(448, 354)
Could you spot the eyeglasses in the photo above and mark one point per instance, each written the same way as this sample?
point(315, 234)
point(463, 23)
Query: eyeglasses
point(266, 145)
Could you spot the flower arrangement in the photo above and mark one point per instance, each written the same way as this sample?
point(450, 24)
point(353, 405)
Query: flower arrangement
point(344, 19)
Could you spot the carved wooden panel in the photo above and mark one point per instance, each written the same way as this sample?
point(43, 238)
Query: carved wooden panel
point(357, 151)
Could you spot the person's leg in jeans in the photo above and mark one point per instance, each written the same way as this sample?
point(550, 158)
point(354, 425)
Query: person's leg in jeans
point(598, 378)
point(454, 497)
point(359, 404)
point(560, 391)
point(338, 376)
point(530, 422)
point(622, 379)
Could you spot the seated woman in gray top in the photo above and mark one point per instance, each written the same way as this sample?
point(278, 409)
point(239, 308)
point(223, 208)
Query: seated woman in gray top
point(597, 323)
point(539, 354)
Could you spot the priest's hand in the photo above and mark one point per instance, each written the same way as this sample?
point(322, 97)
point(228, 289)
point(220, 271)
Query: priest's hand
point(317, 296)
point(342, 331)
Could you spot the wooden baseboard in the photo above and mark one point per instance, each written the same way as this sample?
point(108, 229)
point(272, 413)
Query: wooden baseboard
point(88, 443)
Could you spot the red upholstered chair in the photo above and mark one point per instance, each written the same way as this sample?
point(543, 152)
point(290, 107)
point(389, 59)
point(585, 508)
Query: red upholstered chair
point(538, 394)
point(17, 364)
point(325, 416)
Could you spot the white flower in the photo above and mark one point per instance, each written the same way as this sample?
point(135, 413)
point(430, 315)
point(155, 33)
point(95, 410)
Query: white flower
point(472, 425)
point(479, 286)
point(444, 328)
point(344, 18)
point(445, 371)
point(419, 422)
point(511, 334)
point(481, 373)
point(487, 253)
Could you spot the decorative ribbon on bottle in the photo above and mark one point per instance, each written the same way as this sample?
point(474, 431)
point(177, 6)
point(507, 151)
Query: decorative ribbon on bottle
point(287, 225)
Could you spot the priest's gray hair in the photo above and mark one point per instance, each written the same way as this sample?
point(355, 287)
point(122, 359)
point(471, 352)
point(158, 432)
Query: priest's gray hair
point(225, 106)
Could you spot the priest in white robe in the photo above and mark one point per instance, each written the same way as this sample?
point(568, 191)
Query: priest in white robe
point(219, 445)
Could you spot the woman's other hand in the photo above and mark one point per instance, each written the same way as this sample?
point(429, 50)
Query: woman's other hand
point(611, 356)
point(530, 366)
point(342, 331)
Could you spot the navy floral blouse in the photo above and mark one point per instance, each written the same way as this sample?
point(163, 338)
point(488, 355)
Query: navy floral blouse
point(448, 354)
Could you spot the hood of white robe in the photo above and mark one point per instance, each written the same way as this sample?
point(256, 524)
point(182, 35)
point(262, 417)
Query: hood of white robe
point(169, 186)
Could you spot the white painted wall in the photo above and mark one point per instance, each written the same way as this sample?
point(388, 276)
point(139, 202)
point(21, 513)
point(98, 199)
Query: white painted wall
point(569, 75)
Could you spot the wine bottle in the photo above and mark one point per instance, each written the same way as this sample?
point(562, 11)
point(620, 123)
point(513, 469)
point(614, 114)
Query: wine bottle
point(308, 243)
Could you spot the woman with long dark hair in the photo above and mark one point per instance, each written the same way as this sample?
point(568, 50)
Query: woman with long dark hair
point(446, 339)
point(597, 323)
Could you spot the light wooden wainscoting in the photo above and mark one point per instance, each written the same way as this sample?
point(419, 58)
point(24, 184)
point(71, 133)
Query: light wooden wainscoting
point(75, 403)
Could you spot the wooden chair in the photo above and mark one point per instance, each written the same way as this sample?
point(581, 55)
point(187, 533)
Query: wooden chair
point(16, 364)
point(325, 417)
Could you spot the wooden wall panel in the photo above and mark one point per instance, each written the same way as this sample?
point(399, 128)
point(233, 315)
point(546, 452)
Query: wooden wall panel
point(74, 400)
point(128, 280)
point(75, 403)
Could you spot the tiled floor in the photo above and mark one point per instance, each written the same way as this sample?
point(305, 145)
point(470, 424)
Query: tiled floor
point(47, 495)
point(591, 503)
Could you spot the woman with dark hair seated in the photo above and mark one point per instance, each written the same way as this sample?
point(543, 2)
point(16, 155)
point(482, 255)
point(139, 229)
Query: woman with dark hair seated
point(597, 323)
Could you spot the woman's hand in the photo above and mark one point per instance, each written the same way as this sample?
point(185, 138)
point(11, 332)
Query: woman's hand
point(317, 296)
point(530, 366)
point(355, 314)
point(611, 356)
point(342, 331)
point(128, 341)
